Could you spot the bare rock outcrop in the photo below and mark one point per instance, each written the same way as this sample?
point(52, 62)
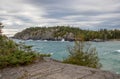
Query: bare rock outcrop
point(51, 69)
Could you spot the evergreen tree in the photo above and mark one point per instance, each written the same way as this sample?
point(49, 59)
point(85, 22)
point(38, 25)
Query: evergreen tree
point(83, 54)
point(1, 26)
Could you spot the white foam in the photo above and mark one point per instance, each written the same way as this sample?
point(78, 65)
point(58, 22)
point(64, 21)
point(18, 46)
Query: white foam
point(63, 40)
point(117, 50)
point(51, 53)
point(45, 40)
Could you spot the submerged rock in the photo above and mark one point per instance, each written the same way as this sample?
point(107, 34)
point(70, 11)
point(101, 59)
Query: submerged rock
point(51, 69)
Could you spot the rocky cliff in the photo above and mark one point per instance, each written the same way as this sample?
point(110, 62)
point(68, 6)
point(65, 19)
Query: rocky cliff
point(50, 33)
point(67, 33)
point(51, 69)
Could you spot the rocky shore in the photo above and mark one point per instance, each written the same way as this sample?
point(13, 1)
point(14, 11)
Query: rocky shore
point(51, 69)
point(58, 33)
point(50, 34)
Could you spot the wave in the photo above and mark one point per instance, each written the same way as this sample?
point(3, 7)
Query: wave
point(51, 53)
point(117, 51)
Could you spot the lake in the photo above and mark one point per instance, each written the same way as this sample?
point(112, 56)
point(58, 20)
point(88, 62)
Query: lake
point(108, 52)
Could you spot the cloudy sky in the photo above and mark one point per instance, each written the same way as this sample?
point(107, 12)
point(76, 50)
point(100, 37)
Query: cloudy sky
point(17, 15)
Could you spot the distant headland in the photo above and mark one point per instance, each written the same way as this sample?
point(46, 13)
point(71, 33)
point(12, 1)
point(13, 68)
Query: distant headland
point(67, 33)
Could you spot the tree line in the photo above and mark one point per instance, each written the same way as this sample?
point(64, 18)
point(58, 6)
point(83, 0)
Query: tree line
point(69, 32)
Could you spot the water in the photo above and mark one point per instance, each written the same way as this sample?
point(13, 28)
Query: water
point(108, 52)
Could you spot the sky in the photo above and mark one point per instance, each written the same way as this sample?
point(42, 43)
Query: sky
point(17, 15)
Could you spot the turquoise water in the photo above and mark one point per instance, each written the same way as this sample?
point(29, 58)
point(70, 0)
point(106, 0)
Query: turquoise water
point(108, 52)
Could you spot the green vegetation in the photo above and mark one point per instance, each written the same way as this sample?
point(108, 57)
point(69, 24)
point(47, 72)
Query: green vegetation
point(48, 33)
point(83, 54)
point(1, 26)
point(12, 54)
point(66, 32)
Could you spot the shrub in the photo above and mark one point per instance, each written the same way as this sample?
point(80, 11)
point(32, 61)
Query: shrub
point(12, 54)
point(83, 54)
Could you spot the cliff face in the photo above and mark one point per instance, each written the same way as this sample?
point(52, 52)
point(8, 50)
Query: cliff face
point(51, 69)
point(50, 33)
point(67, 33)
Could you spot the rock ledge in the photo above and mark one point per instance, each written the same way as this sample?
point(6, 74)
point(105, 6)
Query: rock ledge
point(51, 69)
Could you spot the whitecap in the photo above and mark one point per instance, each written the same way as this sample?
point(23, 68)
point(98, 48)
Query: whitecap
point(51, 53)
point(62, 40)
point(117, 50)
point(44, 40)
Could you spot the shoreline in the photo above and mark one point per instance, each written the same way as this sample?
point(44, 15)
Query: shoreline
point(65, 40)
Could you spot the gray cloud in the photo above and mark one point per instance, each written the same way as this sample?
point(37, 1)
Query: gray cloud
point(86, 14)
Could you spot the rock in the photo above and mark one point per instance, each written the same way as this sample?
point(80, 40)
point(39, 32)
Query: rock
point(52, 69)
point(0, 76)
point(52, 34)
point(70, 37)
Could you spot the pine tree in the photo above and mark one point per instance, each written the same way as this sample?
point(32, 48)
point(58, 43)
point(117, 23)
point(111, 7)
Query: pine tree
point(1, 26)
